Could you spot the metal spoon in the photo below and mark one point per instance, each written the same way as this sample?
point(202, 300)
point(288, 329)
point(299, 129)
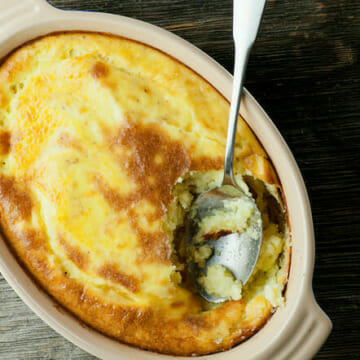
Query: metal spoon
point(236, 252)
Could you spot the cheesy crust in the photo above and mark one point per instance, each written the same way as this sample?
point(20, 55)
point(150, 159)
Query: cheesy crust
point(96, 132)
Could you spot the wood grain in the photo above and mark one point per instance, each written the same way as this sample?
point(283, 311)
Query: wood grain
point(305, 71)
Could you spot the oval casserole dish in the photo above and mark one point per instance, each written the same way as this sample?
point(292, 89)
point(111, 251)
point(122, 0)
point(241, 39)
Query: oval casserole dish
point(107, 271)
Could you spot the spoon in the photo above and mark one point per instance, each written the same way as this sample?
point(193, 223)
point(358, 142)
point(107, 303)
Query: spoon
point(236, 252)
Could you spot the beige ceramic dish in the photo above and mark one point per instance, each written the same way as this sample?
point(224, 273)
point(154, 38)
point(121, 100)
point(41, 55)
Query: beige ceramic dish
point(294, 332)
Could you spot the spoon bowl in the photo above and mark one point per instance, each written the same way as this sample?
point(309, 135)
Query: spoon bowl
point(236, 251)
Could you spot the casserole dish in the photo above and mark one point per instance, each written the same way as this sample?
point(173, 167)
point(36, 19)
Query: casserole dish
point(35, 19)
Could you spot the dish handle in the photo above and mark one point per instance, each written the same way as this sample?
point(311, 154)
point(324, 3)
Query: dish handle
point(17, 14)
point(311, 328)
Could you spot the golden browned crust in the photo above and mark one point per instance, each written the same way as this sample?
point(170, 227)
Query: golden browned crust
point(127, 168)
point(99, 70)
point(75, 254)
point(14, 199)
point(5, 137)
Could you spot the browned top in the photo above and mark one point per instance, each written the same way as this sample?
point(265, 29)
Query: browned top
point(5, 143)
point(110, 272)
point(99, 70)
point(95, 132)
point(14, 199)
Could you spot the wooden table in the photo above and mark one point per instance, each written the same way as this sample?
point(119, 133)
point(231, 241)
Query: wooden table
point(304, 70)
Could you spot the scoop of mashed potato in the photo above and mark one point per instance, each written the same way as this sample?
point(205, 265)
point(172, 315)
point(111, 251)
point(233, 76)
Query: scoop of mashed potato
point(237, 214)
point(219, 282)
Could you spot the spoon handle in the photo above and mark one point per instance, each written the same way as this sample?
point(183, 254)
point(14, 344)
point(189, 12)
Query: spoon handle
point(247, 16)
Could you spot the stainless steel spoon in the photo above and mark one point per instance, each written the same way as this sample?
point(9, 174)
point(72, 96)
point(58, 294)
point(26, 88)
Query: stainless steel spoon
point(236, 252)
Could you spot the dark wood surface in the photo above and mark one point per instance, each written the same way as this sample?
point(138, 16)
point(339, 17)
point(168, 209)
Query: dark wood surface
point(304, 70)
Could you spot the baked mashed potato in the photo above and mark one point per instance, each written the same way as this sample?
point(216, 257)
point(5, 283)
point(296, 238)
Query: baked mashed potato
point(104, 143)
